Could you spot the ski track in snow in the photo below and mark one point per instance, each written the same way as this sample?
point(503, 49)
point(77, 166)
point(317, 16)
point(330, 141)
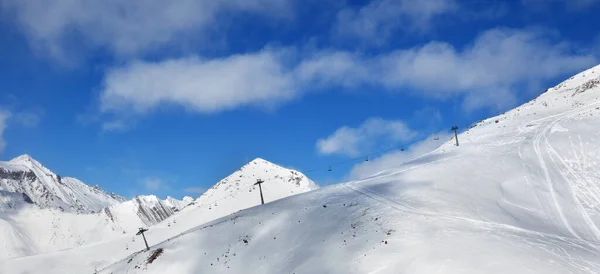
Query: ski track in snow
point(546, 171)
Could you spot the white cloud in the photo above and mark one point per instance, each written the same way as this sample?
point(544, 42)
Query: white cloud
point(397, 158)
point(4, 116)
point(198, 84)
point(128, 27)
point(487, 73)
point(373, 132)
point(195, 190)
point(153, 184)
point(378, 20)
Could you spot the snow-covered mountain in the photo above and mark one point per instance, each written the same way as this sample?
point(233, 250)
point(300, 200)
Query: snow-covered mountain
point(240, 186)
point(232, 194)
point(521, 194)
point(42, 212)
point(141, 211)
point(48, 190)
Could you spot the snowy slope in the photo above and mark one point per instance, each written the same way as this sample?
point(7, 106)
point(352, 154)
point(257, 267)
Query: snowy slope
point(520, 195)
point(48, 190)
point(26, 229)
point(232, 194)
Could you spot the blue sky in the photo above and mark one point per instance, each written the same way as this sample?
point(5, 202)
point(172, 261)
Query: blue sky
point(168, 97)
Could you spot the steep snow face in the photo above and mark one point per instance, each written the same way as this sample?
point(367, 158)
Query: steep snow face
point(520, 195)
point(177, 205)
point(48, 190)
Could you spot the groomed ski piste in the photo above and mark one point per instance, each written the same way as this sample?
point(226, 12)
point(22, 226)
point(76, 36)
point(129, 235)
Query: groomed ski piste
point(521, 194)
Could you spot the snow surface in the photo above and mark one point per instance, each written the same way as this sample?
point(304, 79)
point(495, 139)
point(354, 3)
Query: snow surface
point(520, 195)
point(124, 218)
point(41, 212)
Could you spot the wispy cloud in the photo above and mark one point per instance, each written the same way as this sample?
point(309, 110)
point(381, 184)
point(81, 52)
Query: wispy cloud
point(153, 184)
point(362, 139)
point(574, 5)
point(379, 19)
point(29, 118)
point(131, 27)
point(4, 115)
point(195, 190)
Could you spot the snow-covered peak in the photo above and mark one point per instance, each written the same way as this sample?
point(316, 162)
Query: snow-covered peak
point(24, 159)
point(46, 189)
point(187, 200)
point(177, 205)
point(149, 208)
point(28, 162)
point(282, 181)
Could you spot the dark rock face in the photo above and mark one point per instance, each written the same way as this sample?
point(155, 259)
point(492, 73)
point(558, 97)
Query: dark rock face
point(17, 175)
point(27, 199)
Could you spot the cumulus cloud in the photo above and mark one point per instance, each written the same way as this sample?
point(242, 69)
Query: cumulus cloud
point(377, 20)
point(373, 132)
point(397, 158)
point(199, 84)
point(487, 73)
point(4, 116)
point(128, 27)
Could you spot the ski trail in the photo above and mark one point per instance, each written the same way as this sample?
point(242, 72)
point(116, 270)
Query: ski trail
point(543, 133)
point(548, 180)
point(584, 215)
point(595, 246)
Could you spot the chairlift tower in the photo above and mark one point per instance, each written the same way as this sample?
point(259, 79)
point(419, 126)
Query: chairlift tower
point(455, 128)
point(142, 230)
point(259, 182)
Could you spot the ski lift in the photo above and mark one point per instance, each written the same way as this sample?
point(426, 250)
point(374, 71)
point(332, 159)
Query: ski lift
point(367, 159)
point(329, 168)
point(436, 138)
